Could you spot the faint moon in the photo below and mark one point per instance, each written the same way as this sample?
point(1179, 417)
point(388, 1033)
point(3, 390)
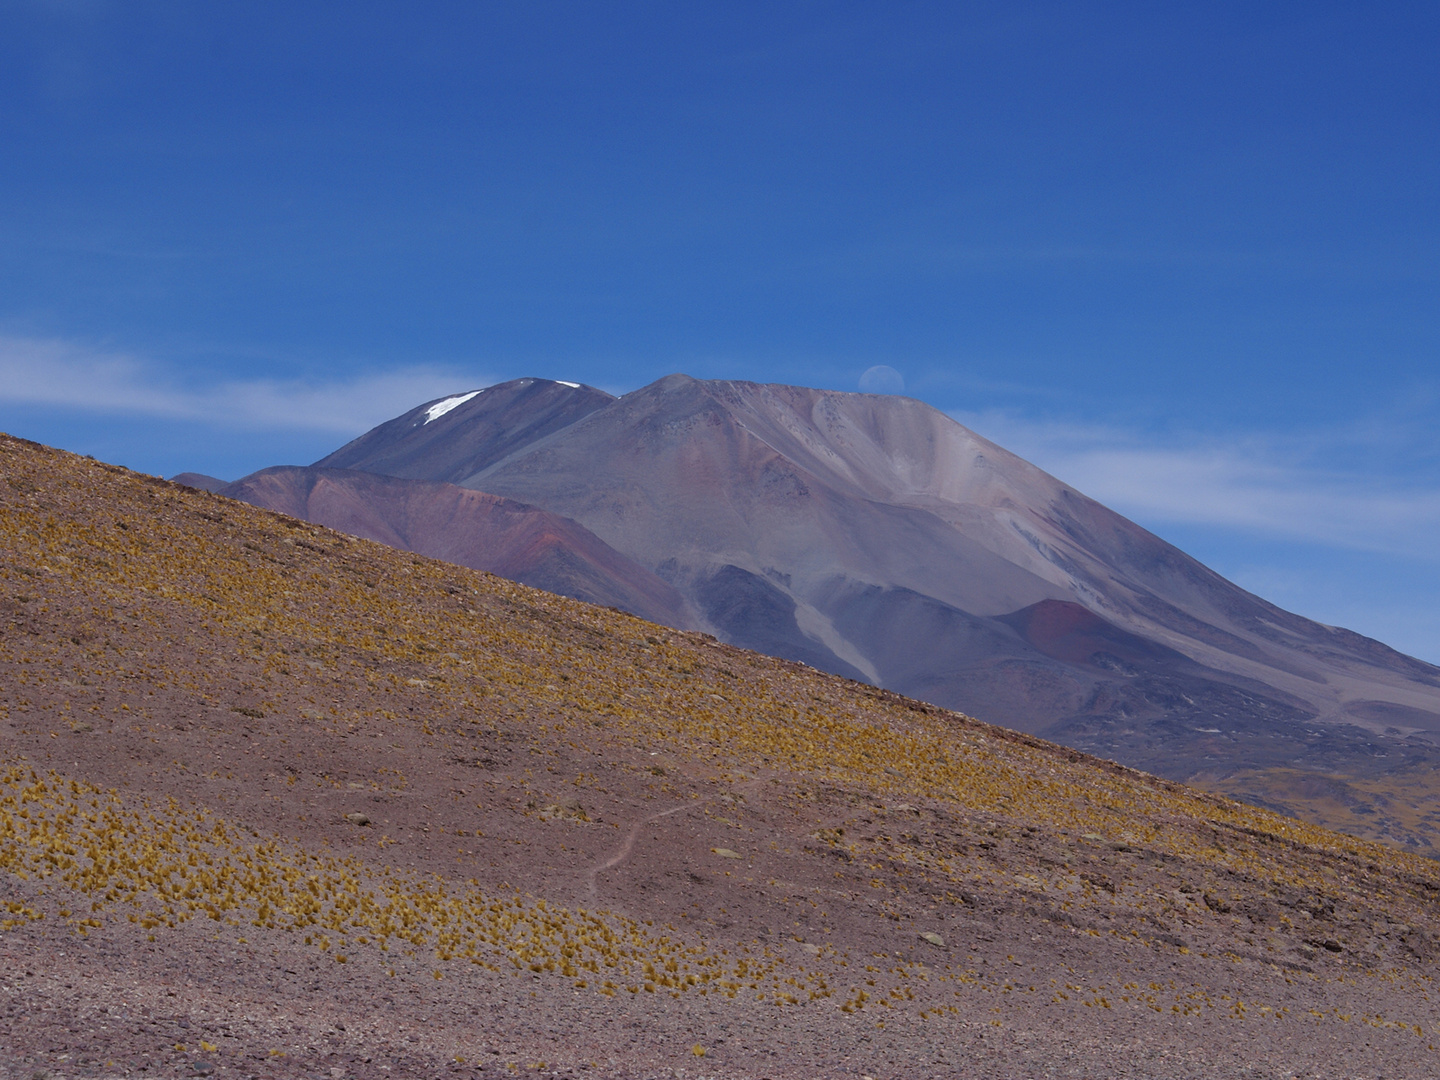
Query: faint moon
point(882, 379)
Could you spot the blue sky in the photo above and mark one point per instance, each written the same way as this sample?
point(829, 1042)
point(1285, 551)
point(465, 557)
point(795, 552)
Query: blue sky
point(1182, 256)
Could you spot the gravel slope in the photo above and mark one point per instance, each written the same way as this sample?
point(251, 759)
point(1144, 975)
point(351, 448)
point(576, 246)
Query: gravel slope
point(553, 839)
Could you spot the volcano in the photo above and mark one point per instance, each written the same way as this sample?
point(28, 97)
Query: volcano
point(874, 537)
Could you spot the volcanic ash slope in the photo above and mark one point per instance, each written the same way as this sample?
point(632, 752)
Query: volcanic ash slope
point(279, 802)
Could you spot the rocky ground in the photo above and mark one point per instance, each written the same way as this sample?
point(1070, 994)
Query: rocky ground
point(275, 802)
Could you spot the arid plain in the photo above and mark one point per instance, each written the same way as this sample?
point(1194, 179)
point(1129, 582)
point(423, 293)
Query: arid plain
point(279, 802)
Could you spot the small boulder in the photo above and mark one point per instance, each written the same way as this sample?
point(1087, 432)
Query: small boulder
point(933, 938)
point(358, 818)
point(726, 853)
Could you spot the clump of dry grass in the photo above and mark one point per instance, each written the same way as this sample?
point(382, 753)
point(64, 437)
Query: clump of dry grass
point(161, 866)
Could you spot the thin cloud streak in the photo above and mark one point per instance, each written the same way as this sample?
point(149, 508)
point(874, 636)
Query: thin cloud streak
point(48, 372)
point(1265, 486)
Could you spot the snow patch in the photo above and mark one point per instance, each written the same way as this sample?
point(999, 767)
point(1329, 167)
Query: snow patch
point(440, 408)
point(572, 385)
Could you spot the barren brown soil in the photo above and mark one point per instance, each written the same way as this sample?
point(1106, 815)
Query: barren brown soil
point(276, 802)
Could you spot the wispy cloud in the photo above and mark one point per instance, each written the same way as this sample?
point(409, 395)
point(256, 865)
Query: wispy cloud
point(1287, 486)
point(60, 374)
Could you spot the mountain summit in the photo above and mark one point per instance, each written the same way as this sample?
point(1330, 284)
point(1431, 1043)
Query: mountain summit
point(875, 537)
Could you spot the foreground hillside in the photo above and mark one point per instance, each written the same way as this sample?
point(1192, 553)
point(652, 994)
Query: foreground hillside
point(279, 802)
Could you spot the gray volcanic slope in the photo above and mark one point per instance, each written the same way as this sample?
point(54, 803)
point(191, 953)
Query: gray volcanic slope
point(875, 537)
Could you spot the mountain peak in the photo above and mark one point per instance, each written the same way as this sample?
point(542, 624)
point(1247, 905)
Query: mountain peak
point(454, 437)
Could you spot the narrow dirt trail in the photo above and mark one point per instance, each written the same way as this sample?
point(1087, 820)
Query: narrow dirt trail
point(627, 846)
